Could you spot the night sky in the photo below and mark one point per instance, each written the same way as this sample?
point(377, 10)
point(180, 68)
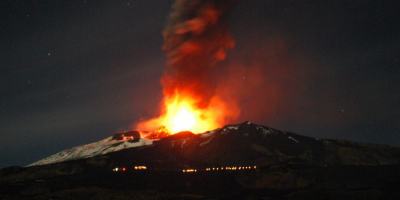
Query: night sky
point(75, 72)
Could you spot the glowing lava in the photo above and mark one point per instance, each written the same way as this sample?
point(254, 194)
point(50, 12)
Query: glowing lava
point(182, 114)
point(184, 119)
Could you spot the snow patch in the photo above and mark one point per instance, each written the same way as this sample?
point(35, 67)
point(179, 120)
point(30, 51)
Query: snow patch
point(233, 127)
point(290, 137)
point(184, 141)
point(263, 130)
point(89, 150)
point(209, 133)
point(128, 137)
point(206, 142)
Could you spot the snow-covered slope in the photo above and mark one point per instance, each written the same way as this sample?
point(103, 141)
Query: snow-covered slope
point(115, 142)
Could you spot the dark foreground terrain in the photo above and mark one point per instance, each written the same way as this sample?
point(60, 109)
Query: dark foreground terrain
point(77, 180)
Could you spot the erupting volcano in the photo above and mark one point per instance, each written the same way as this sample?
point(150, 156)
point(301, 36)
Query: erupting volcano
point(195, 40)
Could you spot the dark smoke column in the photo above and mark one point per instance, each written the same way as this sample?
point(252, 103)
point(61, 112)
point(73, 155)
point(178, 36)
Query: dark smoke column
point(195, 39)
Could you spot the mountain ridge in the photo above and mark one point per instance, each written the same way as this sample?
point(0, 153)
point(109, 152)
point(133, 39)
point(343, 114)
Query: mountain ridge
point(243, 143)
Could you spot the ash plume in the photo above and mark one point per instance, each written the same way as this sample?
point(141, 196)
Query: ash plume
point(196, 38)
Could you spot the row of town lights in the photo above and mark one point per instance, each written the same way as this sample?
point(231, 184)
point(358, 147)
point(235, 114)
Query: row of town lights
point(230, 168)
point(191, 170)
point(140, 167)
point(124, 168)
point(119, 169)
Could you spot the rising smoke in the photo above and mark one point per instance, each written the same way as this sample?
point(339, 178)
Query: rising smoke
point(196, 38)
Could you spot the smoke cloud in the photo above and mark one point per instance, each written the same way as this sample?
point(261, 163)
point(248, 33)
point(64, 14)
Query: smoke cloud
point(196, 38)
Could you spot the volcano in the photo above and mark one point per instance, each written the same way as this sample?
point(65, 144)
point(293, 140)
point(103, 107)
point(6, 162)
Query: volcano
point(240, 144)
point(236, 161)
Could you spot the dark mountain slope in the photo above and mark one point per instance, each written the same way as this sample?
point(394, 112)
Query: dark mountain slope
point(288, 166)
point(248, 144)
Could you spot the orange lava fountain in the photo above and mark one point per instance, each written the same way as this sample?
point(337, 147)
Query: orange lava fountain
point(182, 114)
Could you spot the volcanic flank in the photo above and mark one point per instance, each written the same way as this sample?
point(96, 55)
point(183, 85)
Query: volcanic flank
point(243, 144)
point(235, 161)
